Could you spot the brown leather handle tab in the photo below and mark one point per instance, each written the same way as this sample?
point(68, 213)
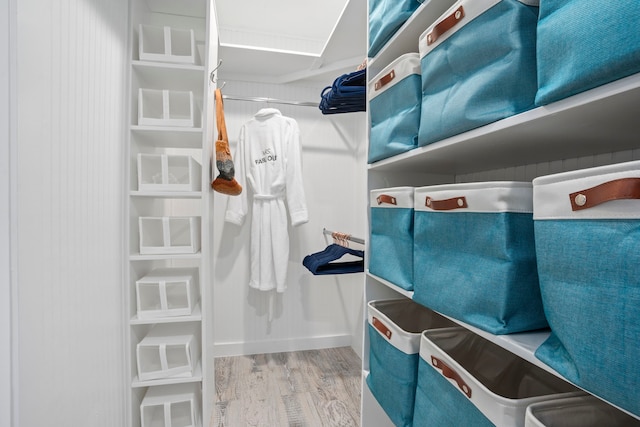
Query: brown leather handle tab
point(450, 373)
point(445, 25)
point(619, 189)
point(385, 198)
point(385, 80)
point(382, 328)
point(447, 204)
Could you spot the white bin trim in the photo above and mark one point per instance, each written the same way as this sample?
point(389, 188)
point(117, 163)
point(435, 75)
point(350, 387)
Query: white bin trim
point(402, 67)
point(403, 197)
point(406, 342)
point(487, 197)
point(551, 193)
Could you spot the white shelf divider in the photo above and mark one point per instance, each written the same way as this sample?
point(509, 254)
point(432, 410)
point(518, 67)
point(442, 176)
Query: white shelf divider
point(156, 257)
point(177, 129)
point(167, 194)
point(398, 289)
point(197, 377)
point(196, 316)
point(199, 69)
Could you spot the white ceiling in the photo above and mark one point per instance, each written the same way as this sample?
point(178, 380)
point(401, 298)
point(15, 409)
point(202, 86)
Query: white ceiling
point(281, 41)
point(291, 19)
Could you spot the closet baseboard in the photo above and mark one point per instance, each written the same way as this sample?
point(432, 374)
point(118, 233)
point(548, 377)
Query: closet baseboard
point(281, 346)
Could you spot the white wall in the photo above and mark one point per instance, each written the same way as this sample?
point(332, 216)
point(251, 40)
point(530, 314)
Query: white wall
point(6, 23)
point(71, 75)
point(315, 311)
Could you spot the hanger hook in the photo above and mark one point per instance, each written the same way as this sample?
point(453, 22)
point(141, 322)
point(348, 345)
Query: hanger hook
point(212, 75)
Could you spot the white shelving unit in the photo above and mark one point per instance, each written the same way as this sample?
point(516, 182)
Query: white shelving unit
point(593, 128)
point(174, 63)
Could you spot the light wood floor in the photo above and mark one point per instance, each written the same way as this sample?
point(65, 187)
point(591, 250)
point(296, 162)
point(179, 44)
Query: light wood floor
point(315, 388)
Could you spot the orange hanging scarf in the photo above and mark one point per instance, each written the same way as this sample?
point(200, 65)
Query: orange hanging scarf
point(225, 183)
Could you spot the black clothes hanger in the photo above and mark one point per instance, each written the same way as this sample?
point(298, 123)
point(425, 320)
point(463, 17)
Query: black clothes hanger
point(320, 263)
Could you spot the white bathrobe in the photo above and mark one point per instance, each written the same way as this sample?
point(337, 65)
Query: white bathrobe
point(268, 162)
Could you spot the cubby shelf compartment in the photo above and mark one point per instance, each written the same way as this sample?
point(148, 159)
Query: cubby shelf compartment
point(573, 127)
point(398, 289)
point(164, 75)
point(167, 136)
point(405, 40)
point(165, 108)
point(167, 292)
point(523, 344)
point(169, 235)
point(171, 406)
point(170, 350)
point(163, 172)
point(166, 44)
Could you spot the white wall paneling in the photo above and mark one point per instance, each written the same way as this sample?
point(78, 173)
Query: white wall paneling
point(315, 311)
point(7, 23)
point(530, 171)
point(71, 93)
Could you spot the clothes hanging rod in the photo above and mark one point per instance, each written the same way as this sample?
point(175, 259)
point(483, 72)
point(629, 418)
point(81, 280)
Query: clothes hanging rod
point(270, 100)
point(347, 236)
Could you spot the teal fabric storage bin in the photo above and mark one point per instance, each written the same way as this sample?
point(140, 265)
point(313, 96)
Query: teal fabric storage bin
point(587, 229)
point(478, 65)
point(466, 380)
point(583, 44)
point(394, 108)
point(474, 255)
point(391, 244)
point(385, 18)
point(394, 342)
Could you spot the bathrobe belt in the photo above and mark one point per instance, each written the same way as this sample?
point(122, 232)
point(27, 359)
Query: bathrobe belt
point(266, 196)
